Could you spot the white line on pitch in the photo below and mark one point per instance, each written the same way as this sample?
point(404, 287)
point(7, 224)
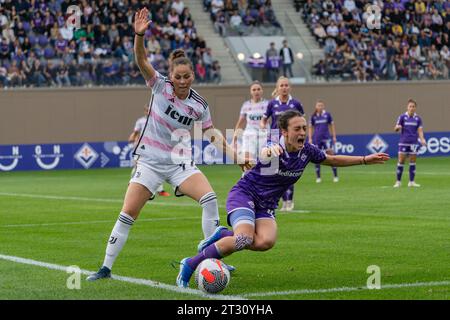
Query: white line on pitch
point(348, 289)
point(51, 197)
point(87, 222)
point(149, 283)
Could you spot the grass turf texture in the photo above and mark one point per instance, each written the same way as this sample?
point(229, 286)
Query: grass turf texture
point(350, 225)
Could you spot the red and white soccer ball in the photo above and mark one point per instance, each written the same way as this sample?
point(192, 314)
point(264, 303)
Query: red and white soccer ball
point(212, 276)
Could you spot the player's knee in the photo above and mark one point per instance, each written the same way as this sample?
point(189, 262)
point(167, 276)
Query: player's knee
point(264, 244)
point(243, 241)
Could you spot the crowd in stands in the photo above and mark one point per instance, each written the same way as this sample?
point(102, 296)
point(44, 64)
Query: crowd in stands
point(411, 43)
point(243, 17)
point(39, 48)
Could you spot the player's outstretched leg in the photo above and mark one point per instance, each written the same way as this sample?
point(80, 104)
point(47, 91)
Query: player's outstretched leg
point(228, 245)
point(218, 234)
point(117, 240)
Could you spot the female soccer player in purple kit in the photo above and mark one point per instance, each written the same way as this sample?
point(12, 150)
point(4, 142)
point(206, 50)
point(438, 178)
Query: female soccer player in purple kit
point(321, 123)
point(252, 201)
point(410, 125)
point(281, 102)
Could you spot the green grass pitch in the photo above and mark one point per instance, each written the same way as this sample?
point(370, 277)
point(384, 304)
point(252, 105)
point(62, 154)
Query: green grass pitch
point(323, 250)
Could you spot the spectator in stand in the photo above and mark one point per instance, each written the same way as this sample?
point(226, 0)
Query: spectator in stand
point(272, 63)
point(287, 59)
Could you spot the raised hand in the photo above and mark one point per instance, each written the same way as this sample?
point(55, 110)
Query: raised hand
point(141, 21)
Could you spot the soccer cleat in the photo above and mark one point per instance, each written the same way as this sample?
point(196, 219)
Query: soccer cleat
point(413, 184)
point(211, 239)
point(229, 267)
point(318, 180)
point(335, 179)
point(289, 205)
point(397, 184)
point(283, 206)
point(185, 274)
point(103, 273)
point(164, 194)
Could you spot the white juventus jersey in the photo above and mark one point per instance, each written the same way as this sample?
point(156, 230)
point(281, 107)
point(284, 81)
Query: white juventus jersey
point(166, 135)
point(253, 113)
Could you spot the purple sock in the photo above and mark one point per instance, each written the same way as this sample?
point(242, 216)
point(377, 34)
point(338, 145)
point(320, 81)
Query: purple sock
point(209, 252)
point(226, 233)
point(334, 171)
point(412, 171)
point(399, 171)
point(289, 194)
point(318, 170)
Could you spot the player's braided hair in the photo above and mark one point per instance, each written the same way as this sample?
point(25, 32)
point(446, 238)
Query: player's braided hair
point(178, 57)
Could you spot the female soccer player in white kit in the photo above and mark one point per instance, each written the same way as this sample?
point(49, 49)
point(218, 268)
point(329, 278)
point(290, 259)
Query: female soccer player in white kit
point(174, 107)
point(252, 112)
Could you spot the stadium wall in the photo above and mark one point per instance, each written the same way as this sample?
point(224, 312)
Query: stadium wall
point(30, 116)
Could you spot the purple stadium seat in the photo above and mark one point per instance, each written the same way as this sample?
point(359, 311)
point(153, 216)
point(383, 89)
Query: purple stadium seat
point(32, 39)
point(49, 53)
point(26, 26)
point(43, 41)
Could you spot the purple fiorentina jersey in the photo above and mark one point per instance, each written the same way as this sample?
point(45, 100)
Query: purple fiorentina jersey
point(320, 122)
point(276, 107)
point(410, 125)
point(266, 184)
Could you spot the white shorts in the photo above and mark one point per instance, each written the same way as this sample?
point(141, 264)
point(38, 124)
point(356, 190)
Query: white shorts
point(253, 142)
point(152, 176)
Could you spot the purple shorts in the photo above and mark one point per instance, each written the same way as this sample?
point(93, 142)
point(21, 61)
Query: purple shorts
point(240, 200)
point(408, 148)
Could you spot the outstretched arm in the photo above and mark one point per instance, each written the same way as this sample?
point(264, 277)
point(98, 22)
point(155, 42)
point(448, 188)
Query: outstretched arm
point(141, 23)
point(218, 140)
point(345, 161)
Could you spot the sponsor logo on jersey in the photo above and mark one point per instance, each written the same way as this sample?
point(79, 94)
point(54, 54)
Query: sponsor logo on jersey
point(377, 144)
point(15, 156)
point(292, 174)
point(86, 156)
point(47, 164)
point(171, 112)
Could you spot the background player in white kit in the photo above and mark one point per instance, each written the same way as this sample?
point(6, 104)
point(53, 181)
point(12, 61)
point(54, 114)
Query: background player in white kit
point(134, 138)
point(252, 111)
point(174, 107)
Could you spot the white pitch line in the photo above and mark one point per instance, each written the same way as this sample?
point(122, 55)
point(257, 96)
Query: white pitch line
point(348, 289)
point(149, 283)
point(51, 197)
point(88, 222)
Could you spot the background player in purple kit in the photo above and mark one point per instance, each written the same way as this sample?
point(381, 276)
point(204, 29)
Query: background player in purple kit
point(410, 126)
point(252, 201)
point(281, 102)
point(321, 123)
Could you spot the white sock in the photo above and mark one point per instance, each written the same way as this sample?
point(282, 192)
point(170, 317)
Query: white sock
point(210, 214)
point(160, 188)
point(117, 239)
